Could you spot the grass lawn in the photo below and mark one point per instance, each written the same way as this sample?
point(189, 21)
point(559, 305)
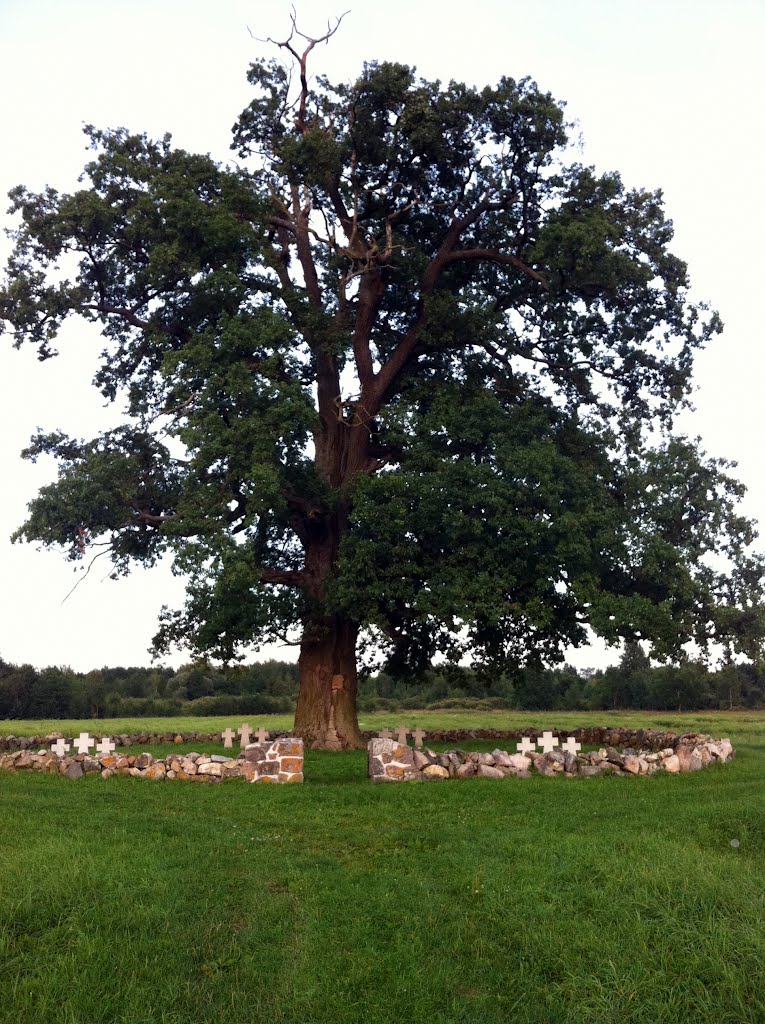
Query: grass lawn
point(705, 721)
point(605, 900)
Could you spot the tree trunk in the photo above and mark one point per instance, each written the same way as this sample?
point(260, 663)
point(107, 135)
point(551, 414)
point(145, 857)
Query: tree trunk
point(325, 716)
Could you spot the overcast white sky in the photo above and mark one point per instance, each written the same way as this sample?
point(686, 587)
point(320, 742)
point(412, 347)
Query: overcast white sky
point(668, 92)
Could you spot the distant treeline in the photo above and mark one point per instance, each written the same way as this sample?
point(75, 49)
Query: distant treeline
point(198, 689)
point(271, 687)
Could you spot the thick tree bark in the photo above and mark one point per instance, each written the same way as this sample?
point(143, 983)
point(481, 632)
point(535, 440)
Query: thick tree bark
point(325, 716)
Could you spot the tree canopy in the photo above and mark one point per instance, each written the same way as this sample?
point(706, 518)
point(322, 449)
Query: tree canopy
point(402, 379)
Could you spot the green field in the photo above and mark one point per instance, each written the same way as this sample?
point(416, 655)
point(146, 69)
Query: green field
point(605, 900)
point(705, 721)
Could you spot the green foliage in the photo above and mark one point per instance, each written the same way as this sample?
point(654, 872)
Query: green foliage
point(200, 690)
point(410, 367)
point(195, 690)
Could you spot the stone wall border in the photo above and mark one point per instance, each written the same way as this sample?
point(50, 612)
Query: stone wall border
point(275, 761)
point(608, 736)
point(391, 761)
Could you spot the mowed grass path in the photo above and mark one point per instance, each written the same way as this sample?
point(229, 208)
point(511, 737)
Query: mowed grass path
point(543, 900)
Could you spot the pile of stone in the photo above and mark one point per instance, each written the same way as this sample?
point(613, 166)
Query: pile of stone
point(390, 761)
point(276, 761)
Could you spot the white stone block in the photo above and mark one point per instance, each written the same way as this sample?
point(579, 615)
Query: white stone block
point(520, 762)
point(726, 749)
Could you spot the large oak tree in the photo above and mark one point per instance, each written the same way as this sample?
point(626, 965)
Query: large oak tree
point(406, 378)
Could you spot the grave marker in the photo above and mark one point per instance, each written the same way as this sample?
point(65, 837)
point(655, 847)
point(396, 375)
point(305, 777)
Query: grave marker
point(262, 735)
point(547, 742)
point(105, 747)
point(60, 747)
point(245, 732)
point(571, 745)
point(402, 731)
point(385, 734)
point(84, 743)
point(418, 735)
point(228, 736)
point(526, 745)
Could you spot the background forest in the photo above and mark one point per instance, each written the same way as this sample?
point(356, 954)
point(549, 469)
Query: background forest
point(271, 687)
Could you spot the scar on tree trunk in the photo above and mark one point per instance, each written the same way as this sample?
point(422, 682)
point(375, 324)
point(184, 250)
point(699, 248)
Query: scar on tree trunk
point(325, 716)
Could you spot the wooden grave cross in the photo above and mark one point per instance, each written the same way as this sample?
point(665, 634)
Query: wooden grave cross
point(105, 747)
point(418, 735)
point(228, 736)
point(245, 732)
point(262, 735)
point(402, 731)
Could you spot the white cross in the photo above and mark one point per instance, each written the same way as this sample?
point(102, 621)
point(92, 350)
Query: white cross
point(105, 747)
point(402, 731)
point(228, 737)
point(84, 743)
point(244, 732)
point(418, 737)
point(526, 745)
point(571, 745)
point(385, 734)
point(547, 742)
point(60, 747)
point(262, 735)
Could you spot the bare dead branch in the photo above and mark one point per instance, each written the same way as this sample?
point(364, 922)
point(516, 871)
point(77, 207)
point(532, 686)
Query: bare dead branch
point(86, 573)
point(302, 59)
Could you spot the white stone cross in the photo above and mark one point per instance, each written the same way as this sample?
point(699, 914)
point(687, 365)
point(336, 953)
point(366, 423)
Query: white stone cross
point(547, 742)
point(571, 745)
point(402, 731)
point(60, 747)
point(526, 745)
point(418, 735)
point(262, 735)
point(105, 747)
point(84, 743)
point(385, 734)
point(228, 737)
point(245, 731)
